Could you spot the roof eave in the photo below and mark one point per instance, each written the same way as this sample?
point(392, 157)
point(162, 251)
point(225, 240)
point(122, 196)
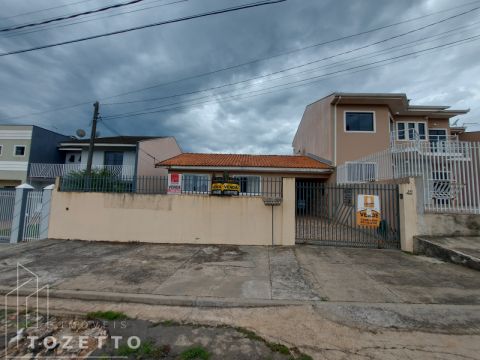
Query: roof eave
point(247, 168)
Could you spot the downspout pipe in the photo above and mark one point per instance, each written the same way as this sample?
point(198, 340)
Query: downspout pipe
point(335, 130)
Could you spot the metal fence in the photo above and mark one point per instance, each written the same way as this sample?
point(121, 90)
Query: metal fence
point(449, 172)
point(7, 204)
point(33, 216)
point(326, 215)
point(271, 187)
point(51, 171)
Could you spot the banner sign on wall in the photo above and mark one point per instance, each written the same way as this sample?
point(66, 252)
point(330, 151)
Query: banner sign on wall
point(368, 211)
point(174, 183)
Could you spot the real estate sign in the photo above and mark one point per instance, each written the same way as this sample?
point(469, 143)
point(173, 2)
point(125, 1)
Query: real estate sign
point(368, 211)
point(174, 184)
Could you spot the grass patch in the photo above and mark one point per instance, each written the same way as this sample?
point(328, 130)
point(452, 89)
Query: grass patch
point(282, 349)
point(195, 353)
point(302, 357)
point(168, 323)
point(145, 349)
point(250, 334)
point(106, 315)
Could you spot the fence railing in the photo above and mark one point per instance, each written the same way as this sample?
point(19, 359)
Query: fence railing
point(33, 216)
point(7, 203)
point(270, 187)
point(450, 172)
point(52, 171)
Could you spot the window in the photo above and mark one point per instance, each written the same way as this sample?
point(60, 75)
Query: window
point(401, 131)
point(19, 150)
point(361, 172)
point(436, 135)
point(360, 121)
point(1, 149)
point(113, 158)
point(193, 183)
point(249, 184)
point(411, 131)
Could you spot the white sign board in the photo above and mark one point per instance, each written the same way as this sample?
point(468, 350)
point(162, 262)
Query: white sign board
point(174, 184)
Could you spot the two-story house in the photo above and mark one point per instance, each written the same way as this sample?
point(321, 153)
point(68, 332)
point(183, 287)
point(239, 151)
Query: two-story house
point(23, 145)
point(126, 156)
point(344, 127)
point(382, 137)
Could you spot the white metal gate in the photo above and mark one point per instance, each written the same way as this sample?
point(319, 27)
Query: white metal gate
point(7, 204)
point(33, 216)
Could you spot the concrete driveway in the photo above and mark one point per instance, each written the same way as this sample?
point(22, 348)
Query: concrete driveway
point(243, 273)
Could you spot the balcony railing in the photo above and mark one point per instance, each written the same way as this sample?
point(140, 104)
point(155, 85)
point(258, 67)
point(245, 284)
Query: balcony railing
point(450, 172)
point(410, 137)
point(51, 171)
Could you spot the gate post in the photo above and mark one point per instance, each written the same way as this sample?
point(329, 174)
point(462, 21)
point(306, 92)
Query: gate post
point(45, 215)
point(18, 221)
point(408, 214)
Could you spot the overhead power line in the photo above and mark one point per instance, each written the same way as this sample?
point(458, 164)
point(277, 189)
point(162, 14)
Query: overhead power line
point(66, 107)
point(303, 64)
point(106, 8)
point(288, 52)
point(89, 19)
point(328, 66)
point(47, 9)
point(185, 18)
point(314, 79)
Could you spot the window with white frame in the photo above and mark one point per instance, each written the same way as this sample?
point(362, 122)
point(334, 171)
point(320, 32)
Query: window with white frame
point(357, 121)
point(196, 183)
point(361, 171)
point(19, 150)
point(249, 184)
point(411, 130)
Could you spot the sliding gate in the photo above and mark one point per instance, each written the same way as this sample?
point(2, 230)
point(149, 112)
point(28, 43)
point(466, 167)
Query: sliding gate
point(327, 215)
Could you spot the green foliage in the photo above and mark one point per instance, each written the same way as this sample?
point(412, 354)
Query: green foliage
point(195, 353)
point(100, 180)
point(146, 348)
point(282, 349)
point(106, 315)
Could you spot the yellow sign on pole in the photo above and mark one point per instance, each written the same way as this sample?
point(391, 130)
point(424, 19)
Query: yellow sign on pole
point(368, 211)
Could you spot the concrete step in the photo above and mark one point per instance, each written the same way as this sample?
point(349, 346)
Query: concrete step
point(461, 250)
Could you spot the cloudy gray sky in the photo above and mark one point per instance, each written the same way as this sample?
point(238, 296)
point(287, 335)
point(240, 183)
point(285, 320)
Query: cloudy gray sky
point(257, 116)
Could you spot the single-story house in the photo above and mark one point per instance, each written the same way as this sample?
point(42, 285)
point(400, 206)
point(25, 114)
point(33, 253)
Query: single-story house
point(257, 174)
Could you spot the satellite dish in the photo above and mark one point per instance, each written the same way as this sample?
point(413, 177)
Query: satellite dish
point(81, 133)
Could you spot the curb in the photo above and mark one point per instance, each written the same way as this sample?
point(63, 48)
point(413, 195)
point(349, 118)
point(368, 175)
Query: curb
point(148, 299)
point(429, 248)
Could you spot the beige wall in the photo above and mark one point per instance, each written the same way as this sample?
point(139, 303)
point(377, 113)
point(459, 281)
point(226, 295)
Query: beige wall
point(354, 145)
point(414, 221)
point(186, 219)
point(161, 149)
point(315, 132)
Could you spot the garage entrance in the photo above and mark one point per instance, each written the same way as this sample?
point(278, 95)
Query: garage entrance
point(326, 214)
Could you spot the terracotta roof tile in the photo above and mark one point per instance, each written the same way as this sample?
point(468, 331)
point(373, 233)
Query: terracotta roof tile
point(241, 160)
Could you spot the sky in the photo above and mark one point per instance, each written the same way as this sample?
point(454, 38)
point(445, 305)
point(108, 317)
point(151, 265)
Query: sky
point(249, 109)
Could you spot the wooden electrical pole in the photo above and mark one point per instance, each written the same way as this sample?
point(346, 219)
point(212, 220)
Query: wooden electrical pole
point(96, 106)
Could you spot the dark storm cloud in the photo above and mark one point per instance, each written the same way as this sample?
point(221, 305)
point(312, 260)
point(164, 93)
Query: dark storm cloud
point(101, 68)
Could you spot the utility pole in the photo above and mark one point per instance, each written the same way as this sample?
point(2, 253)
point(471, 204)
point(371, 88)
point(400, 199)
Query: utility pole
point(92, 138)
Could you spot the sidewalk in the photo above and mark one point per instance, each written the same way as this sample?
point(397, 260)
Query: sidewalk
point(236, 275)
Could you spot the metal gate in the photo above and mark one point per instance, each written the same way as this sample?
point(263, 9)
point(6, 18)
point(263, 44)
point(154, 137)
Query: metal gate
point(7, 204)
point(33, 215)
point(327, 215)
